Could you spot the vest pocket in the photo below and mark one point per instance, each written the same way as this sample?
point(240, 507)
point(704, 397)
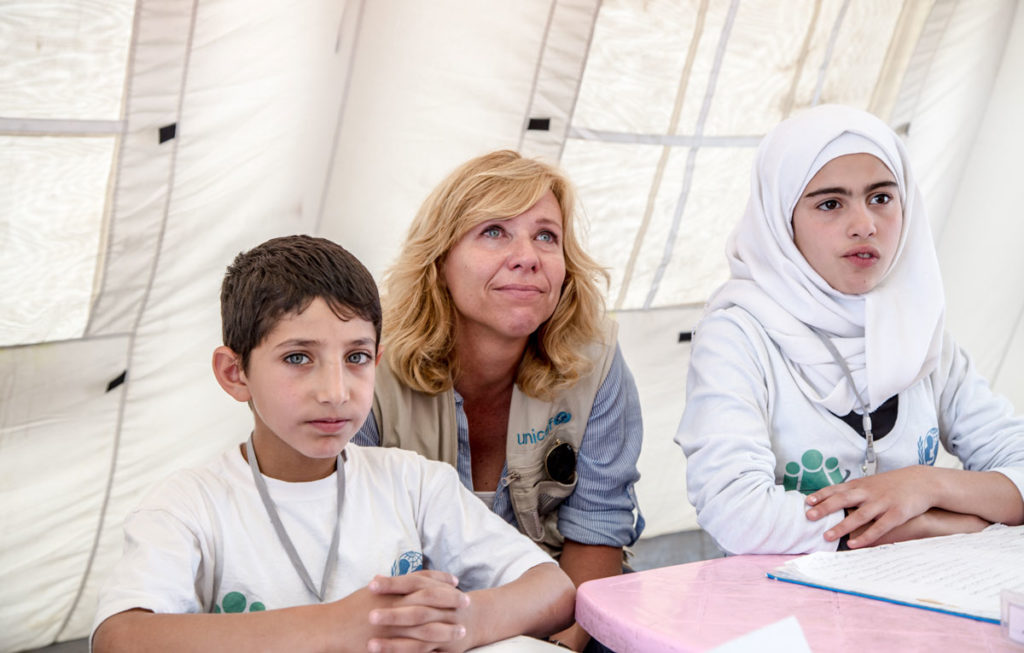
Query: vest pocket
point(550, 494)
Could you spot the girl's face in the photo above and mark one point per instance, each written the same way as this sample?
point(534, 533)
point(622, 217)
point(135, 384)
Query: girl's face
point(847, 222)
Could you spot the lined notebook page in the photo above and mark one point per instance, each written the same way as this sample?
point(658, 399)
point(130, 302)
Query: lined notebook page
point(956, 573)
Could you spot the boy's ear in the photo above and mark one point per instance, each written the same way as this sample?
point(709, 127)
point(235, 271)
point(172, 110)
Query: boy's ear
point(380, 351)
point(227, 367)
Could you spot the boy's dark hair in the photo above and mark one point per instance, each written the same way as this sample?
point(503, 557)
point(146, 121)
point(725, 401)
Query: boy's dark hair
point(284, 275)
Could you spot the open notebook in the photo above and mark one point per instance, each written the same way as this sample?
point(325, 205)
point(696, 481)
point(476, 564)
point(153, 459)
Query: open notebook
point(958, 574)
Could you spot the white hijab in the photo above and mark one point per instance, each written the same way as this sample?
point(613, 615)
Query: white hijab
point(890, 336)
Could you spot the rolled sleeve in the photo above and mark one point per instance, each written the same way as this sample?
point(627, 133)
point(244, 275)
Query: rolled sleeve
point(603, 509)
point(368, 435)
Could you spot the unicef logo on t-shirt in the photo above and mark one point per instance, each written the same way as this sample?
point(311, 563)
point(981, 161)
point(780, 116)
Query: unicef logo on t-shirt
point(533, 436)
point(407, 563)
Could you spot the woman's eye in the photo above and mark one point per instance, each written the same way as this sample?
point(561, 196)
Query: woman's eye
point(359, 358)
point(547, 237)
point(296, 359)
point(829, 205)
point(881, 198)
point(492, 232)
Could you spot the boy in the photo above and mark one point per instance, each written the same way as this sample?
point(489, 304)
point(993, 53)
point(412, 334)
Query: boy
point(308, 543)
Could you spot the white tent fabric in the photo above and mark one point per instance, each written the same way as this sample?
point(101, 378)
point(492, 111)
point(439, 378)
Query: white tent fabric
point(143, 143)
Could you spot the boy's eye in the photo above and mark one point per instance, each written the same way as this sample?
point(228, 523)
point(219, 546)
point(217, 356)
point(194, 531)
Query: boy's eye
point(296, 359)
point(359, 358)
point(829, 205)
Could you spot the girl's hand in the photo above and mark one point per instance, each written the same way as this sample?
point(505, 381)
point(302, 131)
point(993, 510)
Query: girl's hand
point(875, 504)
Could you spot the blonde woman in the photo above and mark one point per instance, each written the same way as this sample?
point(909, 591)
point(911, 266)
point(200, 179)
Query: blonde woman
point(500, 361)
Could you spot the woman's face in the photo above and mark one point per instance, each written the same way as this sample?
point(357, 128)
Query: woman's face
point(847, 222)
point(505, 276)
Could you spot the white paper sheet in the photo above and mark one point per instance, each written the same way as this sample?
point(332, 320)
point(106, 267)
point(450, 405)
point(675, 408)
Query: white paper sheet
point(783, 636)
point(962, 574)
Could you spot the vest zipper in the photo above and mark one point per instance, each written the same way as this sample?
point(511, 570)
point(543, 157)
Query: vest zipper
point(508, 479)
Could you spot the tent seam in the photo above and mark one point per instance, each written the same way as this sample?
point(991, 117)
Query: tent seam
point(341, 109)
point(723, 41)
point(94, 338)
point(138, 320)
point(886, 77)
point(931, 58)
point(833, 37)
point(536, 74)
point(566, 133)
point(668, 140)
point(659, 173)
point(116, 182)
point(801, 61)
point(61, 127)
point(129, 68)
point(667, 307)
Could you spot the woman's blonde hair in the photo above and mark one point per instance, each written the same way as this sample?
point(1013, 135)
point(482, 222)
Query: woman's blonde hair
point(419, 316)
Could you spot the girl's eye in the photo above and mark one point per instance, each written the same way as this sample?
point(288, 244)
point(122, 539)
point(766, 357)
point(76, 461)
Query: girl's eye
point(492, 232)
point(829, 205)
point(881, 198)
point(296, 359)
point(359, 358)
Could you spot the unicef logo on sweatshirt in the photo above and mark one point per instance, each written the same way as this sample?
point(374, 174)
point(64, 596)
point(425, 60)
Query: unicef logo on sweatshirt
point(928, 447)
point(533, 436)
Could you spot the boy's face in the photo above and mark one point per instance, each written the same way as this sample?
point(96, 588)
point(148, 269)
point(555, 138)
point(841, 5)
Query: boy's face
point(311, 386)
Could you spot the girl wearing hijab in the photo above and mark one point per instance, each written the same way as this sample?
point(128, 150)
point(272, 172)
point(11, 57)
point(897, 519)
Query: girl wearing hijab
point(821, 380)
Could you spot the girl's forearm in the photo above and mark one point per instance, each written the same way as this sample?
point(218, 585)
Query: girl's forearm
point(989, 495)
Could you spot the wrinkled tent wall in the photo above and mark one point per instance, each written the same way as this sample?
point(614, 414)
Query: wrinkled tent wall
point(280, 129)
point(255, 133)
point(979, 247)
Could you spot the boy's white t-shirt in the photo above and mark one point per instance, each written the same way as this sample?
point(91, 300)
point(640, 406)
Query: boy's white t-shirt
point(201, 541)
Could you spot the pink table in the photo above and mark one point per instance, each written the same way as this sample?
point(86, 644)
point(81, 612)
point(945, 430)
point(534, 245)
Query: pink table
point(701, 605)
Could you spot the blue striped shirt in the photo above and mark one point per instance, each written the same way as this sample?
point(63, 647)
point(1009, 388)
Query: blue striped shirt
point(603, 508)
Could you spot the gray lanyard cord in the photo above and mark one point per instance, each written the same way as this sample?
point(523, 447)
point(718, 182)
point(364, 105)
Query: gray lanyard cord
point(870, 463)
point(282, 534)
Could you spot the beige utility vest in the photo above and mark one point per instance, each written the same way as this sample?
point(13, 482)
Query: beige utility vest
point(426, 423)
